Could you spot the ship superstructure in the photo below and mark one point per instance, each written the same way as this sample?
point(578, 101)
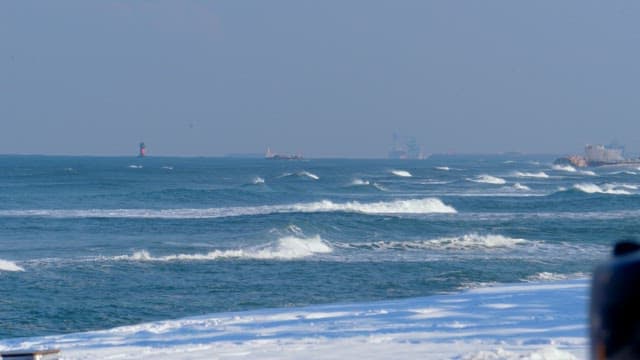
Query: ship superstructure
point(603, 154)
point(598, 155)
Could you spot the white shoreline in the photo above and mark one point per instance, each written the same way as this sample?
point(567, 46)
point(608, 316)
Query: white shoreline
point(545, 320)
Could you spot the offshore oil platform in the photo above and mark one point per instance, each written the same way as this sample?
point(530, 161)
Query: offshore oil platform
point(406, 147)
point(599, 155)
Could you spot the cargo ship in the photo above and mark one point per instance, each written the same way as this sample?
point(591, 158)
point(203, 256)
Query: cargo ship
point(270, 155)
point(599, 155)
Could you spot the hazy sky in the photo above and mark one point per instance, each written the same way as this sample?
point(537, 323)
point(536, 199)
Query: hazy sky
point(324, 78)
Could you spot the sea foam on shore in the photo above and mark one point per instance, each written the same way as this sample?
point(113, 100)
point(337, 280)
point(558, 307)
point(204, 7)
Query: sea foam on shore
point(543, 320)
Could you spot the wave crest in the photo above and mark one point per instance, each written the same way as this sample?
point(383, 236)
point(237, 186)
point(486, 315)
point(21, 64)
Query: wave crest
point(6, 265)
point(612, 189)
point(360, 182)
point(401, 173)
point(472, 241)
point(303, 173)
point(286, 248)
point(411, 206)
point(488, 179)
point(309, 175)
point(539, 175)
point(567, 168)
point(519, 186)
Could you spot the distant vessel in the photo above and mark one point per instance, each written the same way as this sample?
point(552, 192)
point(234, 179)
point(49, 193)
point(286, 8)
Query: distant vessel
point(274, 156)
point(598, 155)
point(143, 150)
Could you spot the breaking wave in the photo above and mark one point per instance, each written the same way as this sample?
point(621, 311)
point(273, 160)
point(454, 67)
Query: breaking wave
point(303, 173)
point(401, 173)
point(613, 189)
point(488, 179)
point(412, 206)
point(519, 186)
point(571, 169)
point(286, 248)
point(361, 182)
point(6, 265)
point(135, 166)
point(309, 175)
point(539, 175)
point(567, 168)
point(443, 168)
point(472, 241)
point(258, 180)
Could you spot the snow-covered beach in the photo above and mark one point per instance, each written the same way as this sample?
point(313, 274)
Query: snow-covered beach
point(540, 320)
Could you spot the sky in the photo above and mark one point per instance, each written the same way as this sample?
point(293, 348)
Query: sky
point(323, 78)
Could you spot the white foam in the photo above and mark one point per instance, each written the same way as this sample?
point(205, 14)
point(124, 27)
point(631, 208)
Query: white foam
point(539, 175)
point(519, 321)
point(623, 172)
point(475, 241)
point(591, 188)
point(411, 206)
point(550, 276)
point(135, 166)
point(547, 353)
point(309, 175)
point(488, 179)
point(588, 173)
point(472, 241)
point(360, 182)
point(567, 168)
point(627, 186)
point(401, 173)
point(258, 180)
point(286, 248)
point(167, 167)
point(6, 265)
point(519, 186)
point(379, 187)
point(443, 168)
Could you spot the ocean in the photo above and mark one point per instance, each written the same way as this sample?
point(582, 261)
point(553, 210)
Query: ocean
point(92, 243)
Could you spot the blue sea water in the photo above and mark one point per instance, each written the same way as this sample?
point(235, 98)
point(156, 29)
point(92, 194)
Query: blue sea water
point(92, 243)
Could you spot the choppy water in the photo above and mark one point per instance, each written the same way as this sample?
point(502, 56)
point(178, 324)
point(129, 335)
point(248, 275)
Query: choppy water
point(91, 243)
